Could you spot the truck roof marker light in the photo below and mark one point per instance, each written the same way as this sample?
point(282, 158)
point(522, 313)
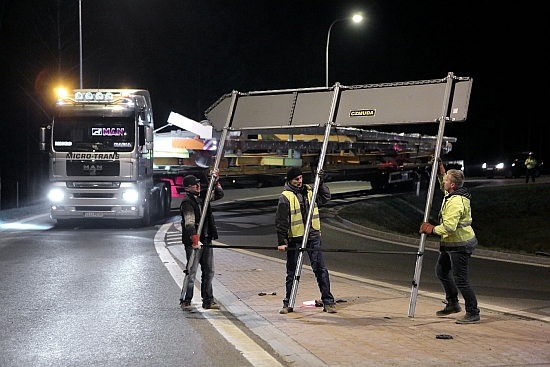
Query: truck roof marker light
point(91, 96)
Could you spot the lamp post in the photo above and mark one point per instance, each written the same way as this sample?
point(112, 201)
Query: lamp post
point(80, 26)
point(356, 18)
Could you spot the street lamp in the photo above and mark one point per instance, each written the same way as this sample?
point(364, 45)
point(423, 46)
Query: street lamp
point(80, 27)
point(356, 19)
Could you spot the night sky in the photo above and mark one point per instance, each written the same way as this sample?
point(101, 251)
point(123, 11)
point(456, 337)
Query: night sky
point(190, 53)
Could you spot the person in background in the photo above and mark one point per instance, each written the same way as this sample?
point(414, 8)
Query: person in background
point(190, 210)
point(457, 243)
point(530, 164)
point(292, 211)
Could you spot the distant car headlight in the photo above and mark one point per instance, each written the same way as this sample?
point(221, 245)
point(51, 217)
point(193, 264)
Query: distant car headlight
point(484, 165)
point(500, 166)
point(56, 195)
point(130, 196)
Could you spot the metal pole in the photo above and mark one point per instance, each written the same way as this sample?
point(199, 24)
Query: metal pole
point(433, 178)
point(357, 18)
point(326, 52)
point(206, 202)
point(320, 165)
point(80, 26)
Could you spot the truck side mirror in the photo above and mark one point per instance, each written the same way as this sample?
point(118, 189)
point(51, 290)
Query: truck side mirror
point(148, 138)
point(43, 139)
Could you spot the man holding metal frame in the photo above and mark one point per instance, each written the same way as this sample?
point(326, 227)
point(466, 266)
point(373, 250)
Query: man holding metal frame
point(190, 209)
point(458, 241)
point(292, 210)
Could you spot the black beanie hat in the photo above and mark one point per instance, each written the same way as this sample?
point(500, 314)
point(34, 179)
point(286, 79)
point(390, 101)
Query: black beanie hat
point(293, 172)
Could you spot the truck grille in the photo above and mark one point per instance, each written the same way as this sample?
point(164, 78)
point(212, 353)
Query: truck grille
point(97, 168)
point(93, 184)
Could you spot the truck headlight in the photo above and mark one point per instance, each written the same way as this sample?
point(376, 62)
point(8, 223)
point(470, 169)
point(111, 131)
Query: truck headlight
point(56, 195)
point(130, 196)
point(500, 166)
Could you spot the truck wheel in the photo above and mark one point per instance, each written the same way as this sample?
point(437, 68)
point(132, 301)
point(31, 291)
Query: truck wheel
point(165, 200)
point(168, 202)
point(146, 220)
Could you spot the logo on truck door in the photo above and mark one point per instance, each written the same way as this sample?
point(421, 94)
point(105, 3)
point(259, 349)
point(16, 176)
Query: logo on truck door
point(108, 131)
point(362, 113)
point(92, 156)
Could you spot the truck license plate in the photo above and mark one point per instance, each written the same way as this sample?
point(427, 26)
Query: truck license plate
point(93, 215)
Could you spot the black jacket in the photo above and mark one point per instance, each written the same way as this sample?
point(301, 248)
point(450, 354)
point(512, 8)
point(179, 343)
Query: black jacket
point(190, 210)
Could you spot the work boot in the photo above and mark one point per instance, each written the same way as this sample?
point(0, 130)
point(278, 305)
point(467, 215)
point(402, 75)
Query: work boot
point(469, 318)
point(330, 308)
point(450, 307)
point(211, 306)
point(186, 305)
point(285, 309)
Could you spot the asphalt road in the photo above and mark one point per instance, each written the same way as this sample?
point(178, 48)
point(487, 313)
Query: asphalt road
point(97, 296)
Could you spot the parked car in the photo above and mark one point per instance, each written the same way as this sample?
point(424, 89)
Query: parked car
point(509, 165)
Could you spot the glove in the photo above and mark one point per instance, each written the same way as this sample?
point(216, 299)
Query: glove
point(282, 247)
point(216, 174)
point(195, 242)
point(441, 169)
point(426, 228)
point(321, 176)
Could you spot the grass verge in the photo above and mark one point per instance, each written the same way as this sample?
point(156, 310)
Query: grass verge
point(510, 218)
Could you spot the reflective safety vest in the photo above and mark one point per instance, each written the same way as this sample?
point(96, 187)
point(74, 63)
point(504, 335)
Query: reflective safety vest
point(456, 225)
point(297, 228)
point(531, 163)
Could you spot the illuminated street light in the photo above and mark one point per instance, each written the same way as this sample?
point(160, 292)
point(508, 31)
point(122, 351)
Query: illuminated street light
point(80, 26)
point(356, 19)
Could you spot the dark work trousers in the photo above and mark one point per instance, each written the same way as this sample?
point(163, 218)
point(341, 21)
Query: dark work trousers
point(532, 173)
point(205, 258)
point(452, 271)
point(317, 265)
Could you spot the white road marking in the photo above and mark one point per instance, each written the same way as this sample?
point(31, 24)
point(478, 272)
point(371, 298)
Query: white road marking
point(250, 350)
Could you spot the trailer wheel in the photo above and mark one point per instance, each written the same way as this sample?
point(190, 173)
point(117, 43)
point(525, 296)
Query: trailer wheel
point(378, 184)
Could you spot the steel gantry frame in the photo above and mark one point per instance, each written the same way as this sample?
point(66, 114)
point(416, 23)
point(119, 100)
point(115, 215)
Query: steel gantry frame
point(427, 101)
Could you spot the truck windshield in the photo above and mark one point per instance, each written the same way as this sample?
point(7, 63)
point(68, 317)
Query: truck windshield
point(93, 133)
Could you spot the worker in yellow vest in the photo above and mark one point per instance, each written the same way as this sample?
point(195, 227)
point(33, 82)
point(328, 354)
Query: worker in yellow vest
point(292, 211)
point(458, 241)
point(530, 164)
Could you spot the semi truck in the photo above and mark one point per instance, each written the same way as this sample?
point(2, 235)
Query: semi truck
point(100, 146)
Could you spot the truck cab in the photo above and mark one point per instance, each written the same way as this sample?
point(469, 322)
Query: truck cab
point(101, 157)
